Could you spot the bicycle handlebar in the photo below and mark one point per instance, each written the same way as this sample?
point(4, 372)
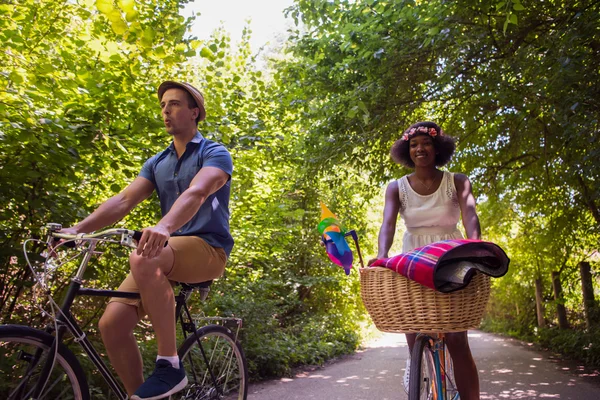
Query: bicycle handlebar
point(127, 235)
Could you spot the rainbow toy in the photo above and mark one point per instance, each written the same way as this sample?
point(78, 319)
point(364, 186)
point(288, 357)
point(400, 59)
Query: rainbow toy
point(333, 236)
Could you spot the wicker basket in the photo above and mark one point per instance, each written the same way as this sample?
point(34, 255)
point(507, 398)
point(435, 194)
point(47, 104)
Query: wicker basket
point(397, 304)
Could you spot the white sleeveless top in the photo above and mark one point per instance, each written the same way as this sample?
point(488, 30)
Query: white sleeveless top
point(429, 218)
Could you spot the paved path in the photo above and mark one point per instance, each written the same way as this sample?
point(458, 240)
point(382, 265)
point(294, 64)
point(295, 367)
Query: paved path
point(507, 369)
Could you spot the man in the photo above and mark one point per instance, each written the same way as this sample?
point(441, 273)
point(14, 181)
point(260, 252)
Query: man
point(192, 178)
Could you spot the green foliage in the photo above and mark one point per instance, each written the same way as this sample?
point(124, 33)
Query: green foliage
point(79, 115)
point(515, 82)
point(577, 345)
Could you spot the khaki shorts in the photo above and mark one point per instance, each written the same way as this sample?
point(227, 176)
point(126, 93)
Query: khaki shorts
point(195, 261)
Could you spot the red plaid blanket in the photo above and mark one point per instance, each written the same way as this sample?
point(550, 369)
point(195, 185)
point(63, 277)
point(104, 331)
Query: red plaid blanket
point(449, 265)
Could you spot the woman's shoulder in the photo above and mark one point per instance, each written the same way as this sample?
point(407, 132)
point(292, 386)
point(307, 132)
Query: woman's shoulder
point(399, 183)
point(461, 181)
point(393, 185)
point(458, 177)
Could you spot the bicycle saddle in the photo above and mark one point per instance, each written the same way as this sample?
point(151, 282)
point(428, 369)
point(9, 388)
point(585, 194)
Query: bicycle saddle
point(192, 286)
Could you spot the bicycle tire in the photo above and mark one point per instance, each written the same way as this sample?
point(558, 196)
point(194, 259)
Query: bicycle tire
point(227, 363)
point(19, 346)
point(421, 383)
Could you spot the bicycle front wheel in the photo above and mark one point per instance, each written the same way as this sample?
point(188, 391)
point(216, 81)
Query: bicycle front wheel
point(451, 389)
point(23, 354)
point(215, 365)
point(422, 371)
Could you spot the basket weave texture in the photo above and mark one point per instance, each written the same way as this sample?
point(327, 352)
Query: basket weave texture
point(397, 304)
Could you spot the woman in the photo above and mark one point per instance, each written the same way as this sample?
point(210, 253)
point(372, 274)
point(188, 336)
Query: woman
point(431, 202)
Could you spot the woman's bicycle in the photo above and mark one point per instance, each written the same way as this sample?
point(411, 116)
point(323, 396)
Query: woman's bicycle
point(41, 366)
point(401, 305)
point(431, 370)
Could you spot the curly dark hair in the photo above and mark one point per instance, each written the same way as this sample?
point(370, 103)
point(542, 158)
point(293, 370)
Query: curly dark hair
point(444, 145)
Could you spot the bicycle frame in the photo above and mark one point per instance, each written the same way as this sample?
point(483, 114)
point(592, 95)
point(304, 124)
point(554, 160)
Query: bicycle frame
point(65, 321)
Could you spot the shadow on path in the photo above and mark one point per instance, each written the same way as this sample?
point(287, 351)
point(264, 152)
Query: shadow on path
point(508, 369)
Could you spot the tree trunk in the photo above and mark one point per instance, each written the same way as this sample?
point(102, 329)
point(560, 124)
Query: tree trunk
point(539, 303)
point(587, 289)
point(588, 200)
point(561, 311)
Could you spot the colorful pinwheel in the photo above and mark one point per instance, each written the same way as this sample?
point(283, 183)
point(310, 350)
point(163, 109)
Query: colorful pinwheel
point(333, 237)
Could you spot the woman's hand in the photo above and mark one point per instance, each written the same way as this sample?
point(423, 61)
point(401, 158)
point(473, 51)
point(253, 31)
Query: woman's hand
point(379, 257)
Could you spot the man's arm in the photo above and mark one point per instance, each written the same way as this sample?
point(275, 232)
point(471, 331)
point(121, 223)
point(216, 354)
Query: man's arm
point(115, 208)
point(466, 200)
point(206, 182)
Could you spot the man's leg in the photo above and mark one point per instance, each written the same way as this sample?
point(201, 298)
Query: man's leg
point(186, 259)
point(158, 301)
point(157, 296)
point(465, 370)
point(116, 327)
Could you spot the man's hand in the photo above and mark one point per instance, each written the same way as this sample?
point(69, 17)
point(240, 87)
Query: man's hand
point(70, 231)
point(56, 242)
point(152, 242)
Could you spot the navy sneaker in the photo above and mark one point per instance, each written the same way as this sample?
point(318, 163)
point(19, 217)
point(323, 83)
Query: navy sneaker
point(164, 381)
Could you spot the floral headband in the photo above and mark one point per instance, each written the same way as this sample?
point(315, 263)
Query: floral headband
point(421, 129)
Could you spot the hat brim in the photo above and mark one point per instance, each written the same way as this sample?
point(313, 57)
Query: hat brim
point(195, 93)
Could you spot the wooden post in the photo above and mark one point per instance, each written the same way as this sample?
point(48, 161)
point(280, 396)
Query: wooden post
point(587, 289)
point(561, 311)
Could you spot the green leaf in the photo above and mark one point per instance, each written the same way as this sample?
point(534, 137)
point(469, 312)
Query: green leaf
point(120, 146)
point(206, 53)
point(194, 44)
point(105, 6)
point(119, 26)
point(126, 5)
point(131, 16)
point(16, 77)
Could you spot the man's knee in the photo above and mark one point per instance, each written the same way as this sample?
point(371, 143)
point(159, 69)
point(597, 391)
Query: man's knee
point(118, 320)
point(136, 262)
point(143, 266)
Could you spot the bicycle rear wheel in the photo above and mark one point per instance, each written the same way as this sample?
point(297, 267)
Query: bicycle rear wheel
point(422, 371)
point(216, 370)
point(23, 353)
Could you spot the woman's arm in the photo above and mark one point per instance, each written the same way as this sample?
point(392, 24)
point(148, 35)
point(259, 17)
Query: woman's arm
point(390, 216)
point(466, 200)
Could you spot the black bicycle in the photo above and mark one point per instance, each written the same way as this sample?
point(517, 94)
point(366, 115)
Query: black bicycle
point(43, 367)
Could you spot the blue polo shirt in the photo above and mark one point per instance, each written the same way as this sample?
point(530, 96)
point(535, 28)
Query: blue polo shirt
point(172, 176)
